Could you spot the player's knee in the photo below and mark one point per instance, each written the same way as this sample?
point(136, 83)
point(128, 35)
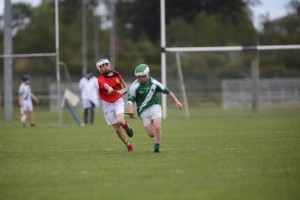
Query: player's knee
point(120, 122)
point(151, 135)
point(150, 132)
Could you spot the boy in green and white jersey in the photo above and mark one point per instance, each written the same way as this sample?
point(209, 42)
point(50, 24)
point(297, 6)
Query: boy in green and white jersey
point(144, 91)
point(25, 102)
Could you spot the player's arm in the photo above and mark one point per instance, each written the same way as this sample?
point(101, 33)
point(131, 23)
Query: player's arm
point(167, 91)
point(20, 97)
point(176, 101)
point(124, 86)
point(110, 90)
point(131, 109)
point(102, 84)
point(20, 100)
point(130, 101)
point(21, 106)
point(35, 98)
point(131, 106)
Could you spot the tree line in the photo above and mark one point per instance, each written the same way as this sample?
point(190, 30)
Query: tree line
point(137, 33)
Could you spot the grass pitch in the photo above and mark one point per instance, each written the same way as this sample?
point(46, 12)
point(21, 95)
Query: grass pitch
point(213, 155)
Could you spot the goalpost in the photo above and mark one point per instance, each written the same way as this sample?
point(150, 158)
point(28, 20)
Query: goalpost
point(7, 84)
point(177, 50)
point(51, 91)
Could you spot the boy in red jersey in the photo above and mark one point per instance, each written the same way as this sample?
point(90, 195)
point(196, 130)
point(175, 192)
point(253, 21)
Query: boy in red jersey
point(111, 89)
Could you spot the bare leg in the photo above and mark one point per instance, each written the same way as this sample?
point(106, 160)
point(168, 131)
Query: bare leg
point(154, 130)
point(24, 122)
point(121, 121)
point(117, 126)
point(31, 118)
point(150, 130)
point(120, 134)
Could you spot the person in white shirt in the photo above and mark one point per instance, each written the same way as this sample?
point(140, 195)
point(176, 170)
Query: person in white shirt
point(88, 86)
point(25, 100)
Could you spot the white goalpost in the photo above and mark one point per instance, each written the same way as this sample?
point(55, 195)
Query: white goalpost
point(177, 50)
point(163, 53)
point(49, 81)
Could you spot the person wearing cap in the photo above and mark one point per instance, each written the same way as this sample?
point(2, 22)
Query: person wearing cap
point(25, 100)
point(143, 91)
point(111, 89)
point(88, 86)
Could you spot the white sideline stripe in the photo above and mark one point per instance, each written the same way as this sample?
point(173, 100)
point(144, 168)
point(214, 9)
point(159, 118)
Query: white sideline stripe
point(231, 48)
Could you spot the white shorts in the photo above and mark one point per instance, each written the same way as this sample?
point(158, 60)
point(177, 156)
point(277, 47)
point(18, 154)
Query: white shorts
point(86, 103)
point(27, 106)
point(150, 114)
point(112, 109)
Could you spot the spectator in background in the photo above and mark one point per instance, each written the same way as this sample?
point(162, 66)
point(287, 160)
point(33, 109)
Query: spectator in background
point(25, 101)
point(88, 86)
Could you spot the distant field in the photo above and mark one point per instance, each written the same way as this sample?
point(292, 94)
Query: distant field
point(216, 154)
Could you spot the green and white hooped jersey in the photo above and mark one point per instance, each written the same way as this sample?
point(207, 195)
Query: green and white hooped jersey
point(25, 92)
point(145, 95)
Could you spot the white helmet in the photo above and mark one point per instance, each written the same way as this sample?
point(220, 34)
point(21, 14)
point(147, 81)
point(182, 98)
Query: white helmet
point(100, 62)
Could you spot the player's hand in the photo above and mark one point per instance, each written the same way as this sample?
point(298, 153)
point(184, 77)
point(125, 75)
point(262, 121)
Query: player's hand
point(179, 105)
point(37, 101)
point(122, 91)
point(110, 90)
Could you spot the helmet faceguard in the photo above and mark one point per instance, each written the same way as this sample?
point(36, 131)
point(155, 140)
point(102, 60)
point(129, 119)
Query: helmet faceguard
point(142, 70)
point(101, 62)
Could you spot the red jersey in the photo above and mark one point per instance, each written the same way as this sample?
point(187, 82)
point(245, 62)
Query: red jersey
point(113, 81)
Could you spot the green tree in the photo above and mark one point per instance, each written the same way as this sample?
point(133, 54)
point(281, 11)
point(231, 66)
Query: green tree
point(180, 33)
point(39, 36)
point(34, 30)
point(282, 32)
point(144, 16)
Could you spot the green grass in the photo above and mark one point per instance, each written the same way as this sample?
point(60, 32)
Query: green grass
point(215, 154)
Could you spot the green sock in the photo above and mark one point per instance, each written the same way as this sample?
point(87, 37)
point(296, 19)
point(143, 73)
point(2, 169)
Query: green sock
point(156, 146)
